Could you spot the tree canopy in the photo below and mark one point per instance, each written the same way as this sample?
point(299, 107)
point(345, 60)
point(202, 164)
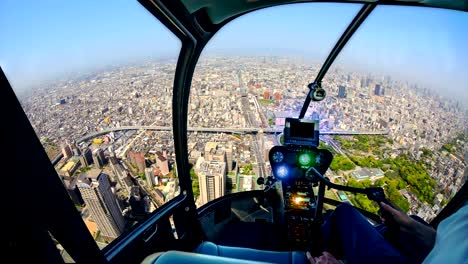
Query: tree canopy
point(391, 188)
point(342, 163)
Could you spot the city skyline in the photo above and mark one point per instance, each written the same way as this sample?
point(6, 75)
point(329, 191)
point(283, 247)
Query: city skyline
point(434, 57)
point(119, 121)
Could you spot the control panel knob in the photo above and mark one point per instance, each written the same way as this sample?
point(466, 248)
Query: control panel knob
point(260, 181)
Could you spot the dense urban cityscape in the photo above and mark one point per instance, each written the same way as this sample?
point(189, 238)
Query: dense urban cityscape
point(121, 173)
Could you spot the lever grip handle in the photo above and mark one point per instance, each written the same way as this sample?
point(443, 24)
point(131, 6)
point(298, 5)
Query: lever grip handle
point(377, 194)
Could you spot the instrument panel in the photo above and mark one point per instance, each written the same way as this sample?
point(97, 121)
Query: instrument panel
point(289, 163)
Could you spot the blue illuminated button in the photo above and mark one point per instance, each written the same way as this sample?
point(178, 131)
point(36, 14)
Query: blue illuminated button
point(278, 157)
point(282, 171)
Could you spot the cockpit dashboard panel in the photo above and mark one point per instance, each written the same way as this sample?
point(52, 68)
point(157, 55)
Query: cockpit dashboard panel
point(290, 163)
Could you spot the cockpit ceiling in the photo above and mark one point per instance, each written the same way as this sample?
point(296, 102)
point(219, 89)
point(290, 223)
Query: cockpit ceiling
point(221, 10)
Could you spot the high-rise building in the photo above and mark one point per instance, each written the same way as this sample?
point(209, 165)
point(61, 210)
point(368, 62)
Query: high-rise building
point(98, 158)
point(66, 151)
point(214, 151)
point(76, 151)
point(138, 203)
point(96, 192)
point(119, 172)
point(209, 148)
point(219, 152)
point(75, 195)
point(212, 180)
point(229, 157)
point(377, 90)
point(342, 91)
point(86, 157)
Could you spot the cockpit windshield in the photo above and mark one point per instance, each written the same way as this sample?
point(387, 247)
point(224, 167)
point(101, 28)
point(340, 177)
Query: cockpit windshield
point(96, 81)
point(393, 116)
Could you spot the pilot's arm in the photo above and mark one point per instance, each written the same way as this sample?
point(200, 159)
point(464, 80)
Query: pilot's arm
point(449, 244)
point(424, 233)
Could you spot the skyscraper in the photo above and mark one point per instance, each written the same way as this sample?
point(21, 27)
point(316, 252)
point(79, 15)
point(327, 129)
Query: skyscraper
point(98, 158)
point(119, 172)
point(377, 90)
point(66, 151)
point(86, 158)
point(76, 151)
point(138, 203)
point(229, 156)
point(75, 195)
point(212, 180)
point(96, 192)
point(342, 91)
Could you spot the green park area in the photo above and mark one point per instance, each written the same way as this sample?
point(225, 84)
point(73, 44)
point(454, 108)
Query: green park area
point(341, 163)
point(247, 169)
point(401, 172)
point(266, 101)
point(456, 144)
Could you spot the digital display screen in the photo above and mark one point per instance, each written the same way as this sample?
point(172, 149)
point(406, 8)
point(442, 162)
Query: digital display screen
point(298, 200)
point(302, 130)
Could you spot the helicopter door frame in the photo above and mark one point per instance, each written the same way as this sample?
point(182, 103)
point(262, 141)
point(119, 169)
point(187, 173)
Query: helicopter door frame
point(36, 181)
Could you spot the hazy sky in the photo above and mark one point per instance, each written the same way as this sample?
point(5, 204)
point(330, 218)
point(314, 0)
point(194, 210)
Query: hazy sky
point(43, 39)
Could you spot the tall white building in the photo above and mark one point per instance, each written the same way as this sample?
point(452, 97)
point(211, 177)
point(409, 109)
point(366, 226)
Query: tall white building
point(96, 192)
point(212, 180)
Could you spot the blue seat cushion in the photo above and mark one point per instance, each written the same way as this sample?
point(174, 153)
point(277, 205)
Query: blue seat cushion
point(280, 257)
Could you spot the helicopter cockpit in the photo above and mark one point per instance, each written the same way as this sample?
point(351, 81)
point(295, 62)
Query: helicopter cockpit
point(144, 202)
point(296, 211)
point(293, 199)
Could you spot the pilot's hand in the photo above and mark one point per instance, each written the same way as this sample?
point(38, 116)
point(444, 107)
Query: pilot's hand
point(401, 218)
point(325, 258)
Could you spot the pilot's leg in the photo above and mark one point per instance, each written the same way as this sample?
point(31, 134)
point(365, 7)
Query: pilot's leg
point(348, 235)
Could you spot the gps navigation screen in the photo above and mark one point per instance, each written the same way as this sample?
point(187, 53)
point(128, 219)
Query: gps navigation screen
point(302, 130)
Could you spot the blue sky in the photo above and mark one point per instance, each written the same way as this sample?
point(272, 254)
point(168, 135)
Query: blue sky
point(44, 39)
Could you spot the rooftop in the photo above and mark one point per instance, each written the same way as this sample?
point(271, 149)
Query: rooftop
point(213, 167)
point(93, 173)
point(68, 166)
point(367, 173)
